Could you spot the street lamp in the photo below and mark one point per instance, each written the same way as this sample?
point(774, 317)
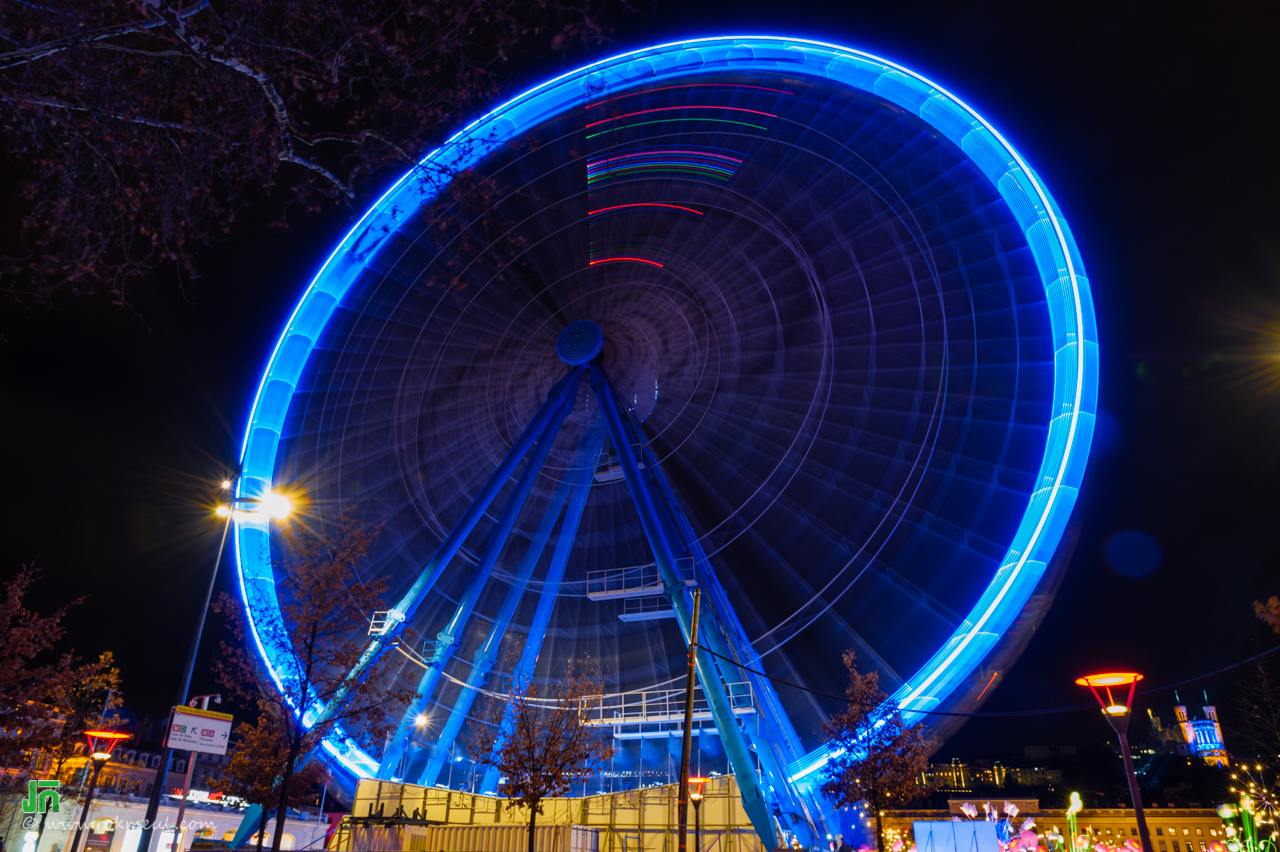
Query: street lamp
point(100, 745)
point(695, 796)
point(272, 505)
point(1118, 715)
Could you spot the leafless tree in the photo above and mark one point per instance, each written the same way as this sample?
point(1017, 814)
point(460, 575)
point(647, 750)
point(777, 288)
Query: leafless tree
point(141, 129)
point(541, 743)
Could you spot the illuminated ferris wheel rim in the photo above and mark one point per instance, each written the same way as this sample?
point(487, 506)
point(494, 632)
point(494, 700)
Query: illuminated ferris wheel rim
point(1061, 272)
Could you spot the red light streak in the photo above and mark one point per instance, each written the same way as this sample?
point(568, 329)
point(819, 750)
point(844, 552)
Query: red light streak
point(994, 675)
point(596, 163)
point(644, 204)
point(636, 259)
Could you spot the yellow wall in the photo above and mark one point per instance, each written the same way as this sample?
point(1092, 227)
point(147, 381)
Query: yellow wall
point(629, 821)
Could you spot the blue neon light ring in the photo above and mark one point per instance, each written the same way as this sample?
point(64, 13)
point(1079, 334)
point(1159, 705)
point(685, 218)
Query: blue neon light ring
point(1072, 321)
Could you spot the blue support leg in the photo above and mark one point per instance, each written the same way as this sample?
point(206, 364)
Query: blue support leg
point(775, 741)
point(753, 798)
point(408, 604)
point(487, 654)
point(447, 641)
point(550, 589)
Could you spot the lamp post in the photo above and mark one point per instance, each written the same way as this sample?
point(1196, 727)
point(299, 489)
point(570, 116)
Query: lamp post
point(272, 505)
point(1117, 715)
point(695, 796)
point(100, 745)
point(691, 677)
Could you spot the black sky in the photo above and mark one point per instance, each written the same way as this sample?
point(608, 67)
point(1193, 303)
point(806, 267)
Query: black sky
point(1154, 126)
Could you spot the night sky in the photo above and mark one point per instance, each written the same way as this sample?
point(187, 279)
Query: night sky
point(1156, 132)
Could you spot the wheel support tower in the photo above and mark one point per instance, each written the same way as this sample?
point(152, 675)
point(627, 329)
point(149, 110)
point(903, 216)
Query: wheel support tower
point(724, 655)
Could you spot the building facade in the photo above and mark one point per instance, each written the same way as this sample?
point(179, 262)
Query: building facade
point(957, 777)
point(114, 824)
point(1188, 737)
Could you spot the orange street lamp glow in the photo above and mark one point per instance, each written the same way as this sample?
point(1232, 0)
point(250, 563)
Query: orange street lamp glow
point(695, 796)
point(110, 737)
point(1117, 715)
point(1107, 681)
point(100, 745)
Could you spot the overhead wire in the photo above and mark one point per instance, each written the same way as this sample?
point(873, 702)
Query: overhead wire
point(1042, 711)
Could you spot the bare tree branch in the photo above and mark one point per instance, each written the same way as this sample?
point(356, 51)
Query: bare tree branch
point(140, 131)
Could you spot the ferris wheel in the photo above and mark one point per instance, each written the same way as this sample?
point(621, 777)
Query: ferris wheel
point(771, 318)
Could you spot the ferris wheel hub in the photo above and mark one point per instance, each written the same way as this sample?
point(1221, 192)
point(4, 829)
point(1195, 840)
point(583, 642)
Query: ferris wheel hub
point(580, 343)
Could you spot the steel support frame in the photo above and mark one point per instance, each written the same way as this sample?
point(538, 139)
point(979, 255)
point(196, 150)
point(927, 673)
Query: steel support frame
point(775, 740)
point(550, 590)
point(487, 654)
point(754, 801)
point(670, 536)
point(447, 639)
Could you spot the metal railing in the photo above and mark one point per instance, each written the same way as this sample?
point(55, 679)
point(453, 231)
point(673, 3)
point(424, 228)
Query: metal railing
point(660, 705)
point(638, 580)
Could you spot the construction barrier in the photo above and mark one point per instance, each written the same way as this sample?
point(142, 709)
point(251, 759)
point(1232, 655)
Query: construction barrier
point(390, 816)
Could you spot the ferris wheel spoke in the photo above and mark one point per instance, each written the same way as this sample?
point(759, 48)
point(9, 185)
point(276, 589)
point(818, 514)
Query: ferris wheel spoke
point(394, 620)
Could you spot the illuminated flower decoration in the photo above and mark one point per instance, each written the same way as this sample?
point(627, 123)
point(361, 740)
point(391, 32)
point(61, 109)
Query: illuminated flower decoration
point(1010, 810)
point(1025, 841)
point(897, 846)
point(986, 809)
point(969, 809)
point(1027, 824)
point(1083, 844)
point(1262, 798)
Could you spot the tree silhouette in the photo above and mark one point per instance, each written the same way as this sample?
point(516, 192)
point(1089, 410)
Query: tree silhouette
point(45, 696)
point(541, 744)
point(878, 759)
point(254, 770)
point(141, 129)
point(315, 647)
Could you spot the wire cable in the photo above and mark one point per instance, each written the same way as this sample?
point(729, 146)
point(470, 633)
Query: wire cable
point(992, 713)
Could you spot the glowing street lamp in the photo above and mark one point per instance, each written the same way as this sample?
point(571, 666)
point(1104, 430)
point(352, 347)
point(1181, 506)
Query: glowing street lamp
point(100, 745)
point(695, 796)
point(271, 506)
point(1118, 715)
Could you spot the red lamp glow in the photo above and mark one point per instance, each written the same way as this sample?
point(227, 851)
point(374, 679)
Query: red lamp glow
point(695, 796)
point(101, 742)
point(100, 745)
point(1118, 716)
point(1106, 682)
